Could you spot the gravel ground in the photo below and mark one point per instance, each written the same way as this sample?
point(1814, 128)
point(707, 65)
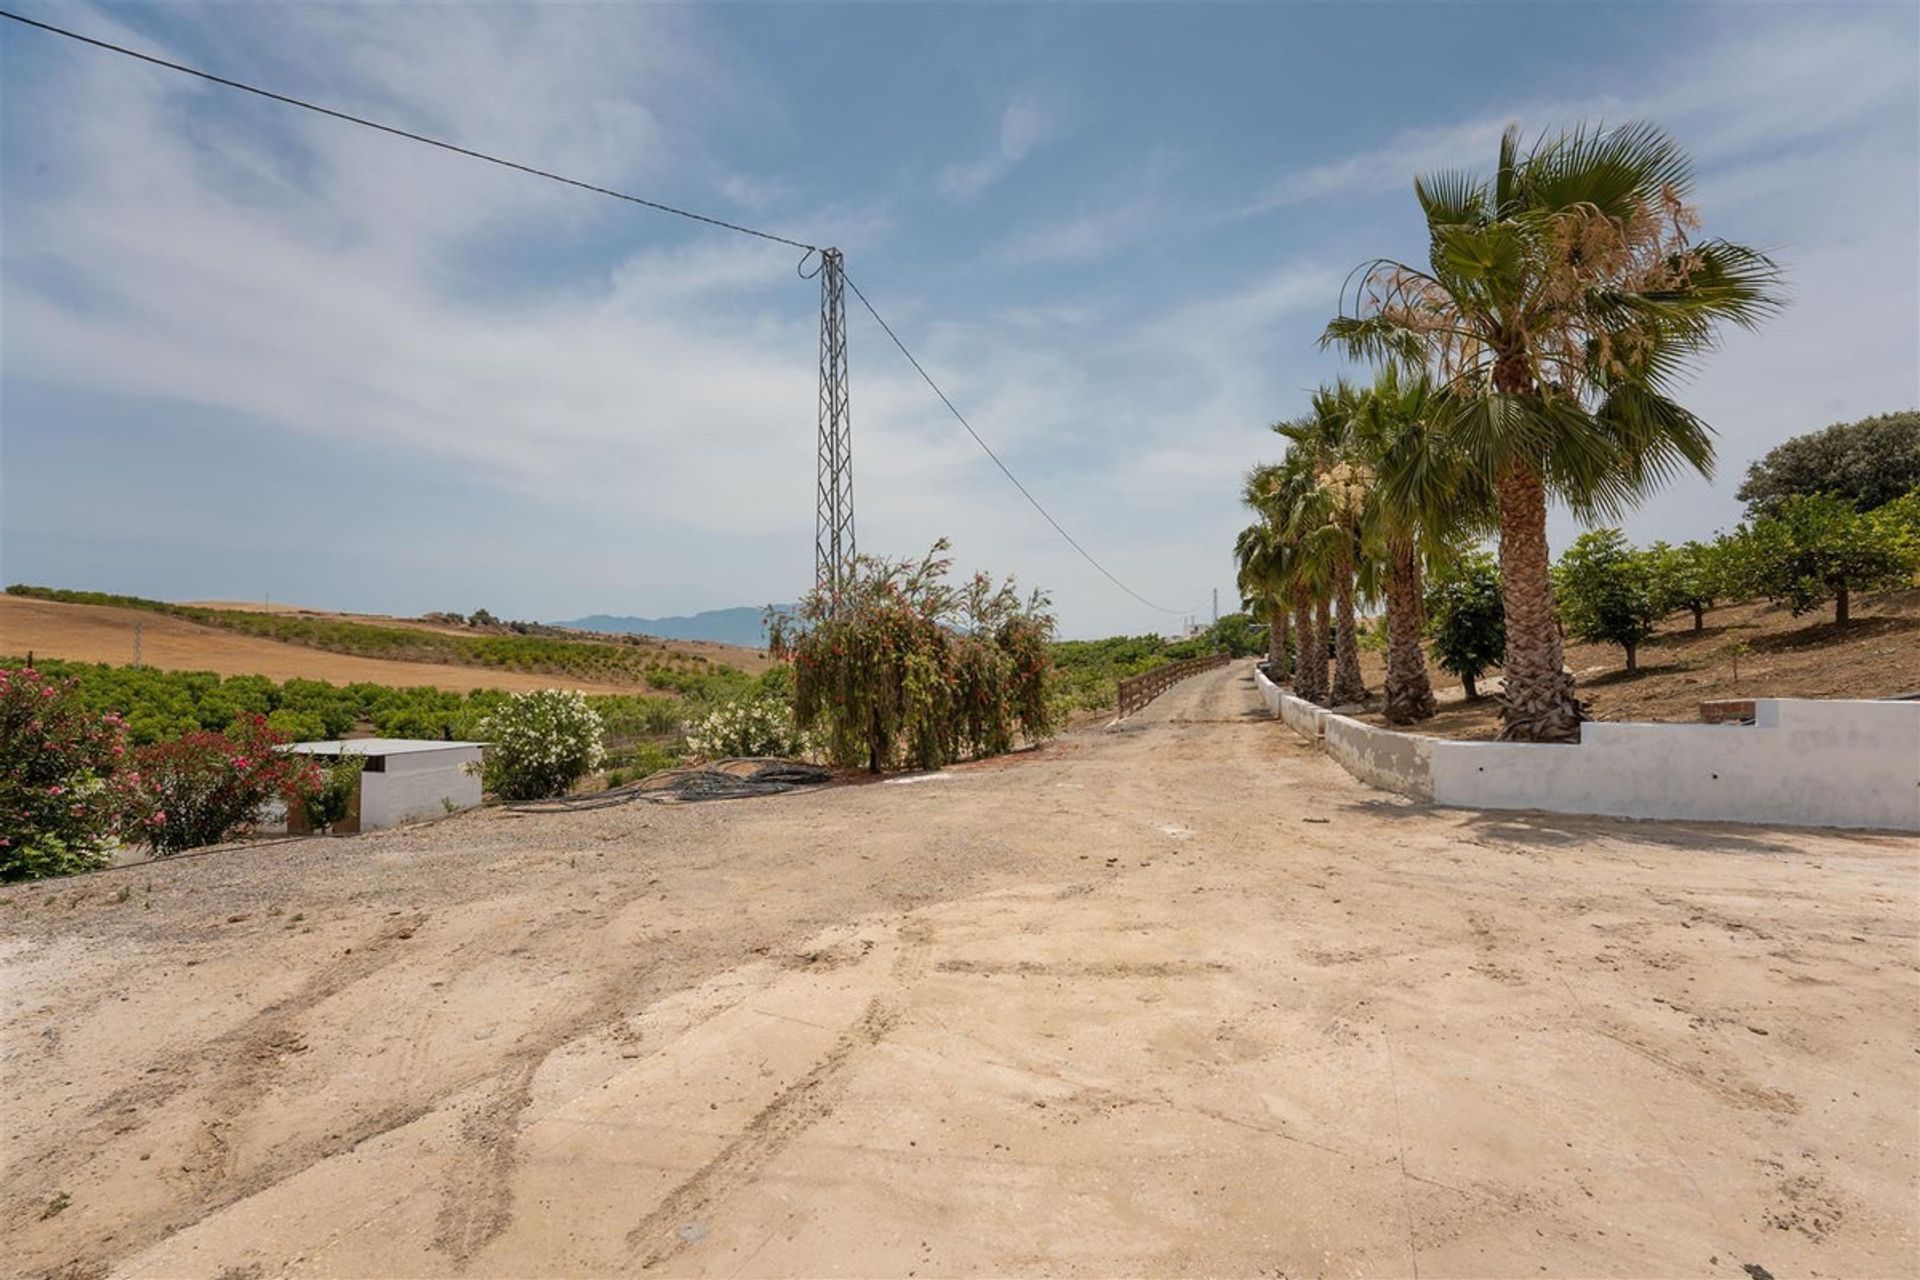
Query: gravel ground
point(1175, 997)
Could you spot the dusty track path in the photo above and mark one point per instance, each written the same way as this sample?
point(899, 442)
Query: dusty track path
point(1177, 997)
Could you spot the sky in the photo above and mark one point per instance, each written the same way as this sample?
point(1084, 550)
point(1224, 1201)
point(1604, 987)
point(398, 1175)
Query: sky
point(249, 352)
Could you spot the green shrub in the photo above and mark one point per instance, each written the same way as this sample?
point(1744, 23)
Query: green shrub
point(332, 800)
point(202, 788)
point(298, 726)
point(759, 724)
point(540, 744)
point(60, 811)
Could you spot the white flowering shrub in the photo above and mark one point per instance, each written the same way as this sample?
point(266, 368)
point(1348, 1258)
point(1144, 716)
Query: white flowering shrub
point(758, 725)
point(539, 744)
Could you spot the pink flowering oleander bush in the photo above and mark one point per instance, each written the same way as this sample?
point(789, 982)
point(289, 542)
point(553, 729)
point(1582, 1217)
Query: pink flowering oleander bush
point(60, 802)
point(202, 788)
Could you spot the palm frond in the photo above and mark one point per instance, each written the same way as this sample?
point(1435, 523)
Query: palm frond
point(1611, 170)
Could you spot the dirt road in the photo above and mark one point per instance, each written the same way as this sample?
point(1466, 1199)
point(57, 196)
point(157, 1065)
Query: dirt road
point(1179, 998)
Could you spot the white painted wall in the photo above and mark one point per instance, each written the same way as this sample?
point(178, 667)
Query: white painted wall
point(1803, 762)
point(419, 784)
point(1398, 762)
point(1269, 691)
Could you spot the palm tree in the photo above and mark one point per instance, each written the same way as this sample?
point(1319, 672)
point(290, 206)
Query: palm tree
point(1277, 492)
point(1426, 501)
point(1329, 519)
point(1264, 558)
point(1564, 299)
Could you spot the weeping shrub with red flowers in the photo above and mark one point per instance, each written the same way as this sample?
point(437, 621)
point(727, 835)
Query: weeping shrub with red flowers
point(202, 788)
point(906, 669)
point(59, 807)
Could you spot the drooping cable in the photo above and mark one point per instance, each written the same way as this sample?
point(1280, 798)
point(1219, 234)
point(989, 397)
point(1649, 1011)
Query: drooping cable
point(408, 134)
point(961, 418)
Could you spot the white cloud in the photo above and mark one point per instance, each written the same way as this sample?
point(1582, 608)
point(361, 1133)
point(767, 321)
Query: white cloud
point(1027, 123)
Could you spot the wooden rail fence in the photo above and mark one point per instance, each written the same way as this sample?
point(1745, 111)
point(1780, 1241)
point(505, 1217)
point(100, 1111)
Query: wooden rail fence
point(1137, 691)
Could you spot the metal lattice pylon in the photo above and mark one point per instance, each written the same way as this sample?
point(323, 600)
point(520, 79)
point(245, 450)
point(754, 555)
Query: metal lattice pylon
point(833, 549)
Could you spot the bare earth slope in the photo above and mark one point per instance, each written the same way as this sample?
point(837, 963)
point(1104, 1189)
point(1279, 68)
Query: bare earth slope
point(1876, 656)
point(1177, 998)
point(100, 633)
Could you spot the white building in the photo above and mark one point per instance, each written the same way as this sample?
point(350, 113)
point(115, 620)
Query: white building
point(405, 778)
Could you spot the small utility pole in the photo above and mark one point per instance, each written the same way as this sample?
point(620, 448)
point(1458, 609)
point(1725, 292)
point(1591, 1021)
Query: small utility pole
point(833, 549)
point(1216, 604)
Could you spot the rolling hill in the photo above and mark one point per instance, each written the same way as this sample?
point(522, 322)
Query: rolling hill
point(743, 626)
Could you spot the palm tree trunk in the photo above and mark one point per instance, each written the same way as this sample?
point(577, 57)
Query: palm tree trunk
point(1322, 647)
point(1409, 691)
point(1303, 645)
point(1538, 701)
point(1348, 687)
point(1276, 640)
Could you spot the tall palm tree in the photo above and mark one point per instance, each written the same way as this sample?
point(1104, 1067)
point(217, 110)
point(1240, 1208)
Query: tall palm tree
point(1329, 519)
point(1264, 558)
point(1426, 501)
point(1278, 492)
point(1563, 300)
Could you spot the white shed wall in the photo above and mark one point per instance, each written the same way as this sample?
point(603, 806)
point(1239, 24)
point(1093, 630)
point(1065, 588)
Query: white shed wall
point(419, 784)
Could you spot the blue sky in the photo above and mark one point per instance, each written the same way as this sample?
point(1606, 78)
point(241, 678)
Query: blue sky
point(248, 351)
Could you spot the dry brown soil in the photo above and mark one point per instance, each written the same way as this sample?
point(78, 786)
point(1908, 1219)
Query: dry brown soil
point(1178, 997)
point(1875, 656)
point(100, 633)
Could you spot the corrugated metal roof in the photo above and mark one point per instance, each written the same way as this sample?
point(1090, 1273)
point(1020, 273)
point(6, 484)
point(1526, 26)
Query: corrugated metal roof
point(375, 746)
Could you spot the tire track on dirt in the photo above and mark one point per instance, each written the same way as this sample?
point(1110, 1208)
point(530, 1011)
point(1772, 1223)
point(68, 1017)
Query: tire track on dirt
point(659, 1236)
point(248, 1058)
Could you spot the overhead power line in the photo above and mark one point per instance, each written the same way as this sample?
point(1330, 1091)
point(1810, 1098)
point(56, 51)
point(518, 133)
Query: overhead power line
point(961, 418)
point(516, 166)
point(408, 134)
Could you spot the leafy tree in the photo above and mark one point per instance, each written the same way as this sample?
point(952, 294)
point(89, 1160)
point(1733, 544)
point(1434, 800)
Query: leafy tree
point(1235, 634)
point(1466, 622)
point(1819, 548)
point(1869, 463)
point(1605, 591)
point(1563, 299)
point(482, 618)
point(901, 666)
point(1691, 576)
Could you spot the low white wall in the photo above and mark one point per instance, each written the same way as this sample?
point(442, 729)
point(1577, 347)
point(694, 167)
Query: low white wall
point(1397, 762)
point(1803, 762)
point(1269, 691)
point(419, 785)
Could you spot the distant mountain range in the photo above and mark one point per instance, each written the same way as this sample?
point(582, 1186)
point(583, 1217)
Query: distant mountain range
point(742, 626)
